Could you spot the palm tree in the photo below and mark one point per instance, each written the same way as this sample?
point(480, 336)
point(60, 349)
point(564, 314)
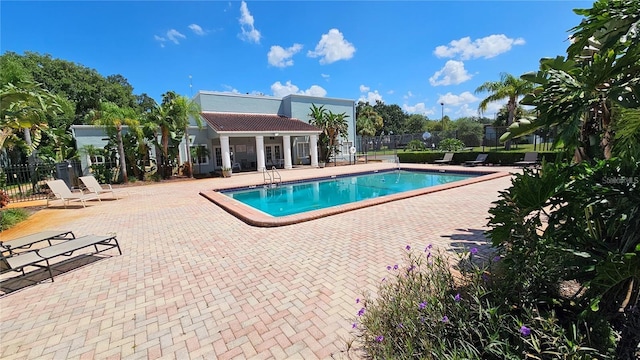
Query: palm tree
point(25, 108)
point(368, 121)
point(509, 87)
point(319, 119)
point(112, 118)
point(184, 109)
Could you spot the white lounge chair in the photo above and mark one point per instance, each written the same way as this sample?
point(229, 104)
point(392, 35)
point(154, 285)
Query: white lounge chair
point(61, 192)
point(94, 187)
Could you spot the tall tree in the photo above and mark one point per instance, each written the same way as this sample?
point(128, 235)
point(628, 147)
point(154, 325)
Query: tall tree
point(25, 109)
point(113, 118)
point(510, 88)
point(368, 122)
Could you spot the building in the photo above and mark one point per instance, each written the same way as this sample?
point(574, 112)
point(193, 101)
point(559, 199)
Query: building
point(248, 132)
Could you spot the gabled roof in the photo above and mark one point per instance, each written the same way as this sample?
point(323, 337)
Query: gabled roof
point(235, 122)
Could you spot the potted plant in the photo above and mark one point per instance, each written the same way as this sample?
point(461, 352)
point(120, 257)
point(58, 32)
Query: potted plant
point(226, 172)
point(321, 164)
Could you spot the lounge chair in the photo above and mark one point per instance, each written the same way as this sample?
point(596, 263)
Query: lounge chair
point(40, 258)
point(25, 242)
point(94, 187)
point(480, 159)
point(62, 192)
point(448, 157)
point(530, 158)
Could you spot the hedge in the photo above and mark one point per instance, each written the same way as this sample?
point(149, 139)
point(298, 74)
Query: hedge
point(495, 158)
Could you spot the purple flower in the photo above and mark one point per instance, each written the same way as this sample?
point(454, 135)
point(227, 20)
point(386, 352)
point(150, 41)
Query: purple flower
point(474, 251)
point(485, 277)
point(497, 258)
point(422, 305)
point(395, 267)
point(445, 319)
point(408, 247)
point(422, 319)
point(388, 267)
point(411, 268)
point(357, 300)
point(525, 331)
point(361, 312)
point(383, 279)
point(354, 325)
point(428, 248)
point(379, 338)
point(429, 254)
point(457, 298)
point(401, 326)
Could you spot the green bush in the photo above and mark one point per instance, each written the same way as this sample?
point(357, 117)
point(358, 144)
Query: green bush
point(10, 217)
point(423, 311)
point(450, 145)
point(415, 145)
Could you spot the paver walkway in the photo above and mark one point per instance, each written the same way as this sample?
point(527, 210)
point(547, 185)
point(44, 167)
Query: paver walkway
point(195, 282)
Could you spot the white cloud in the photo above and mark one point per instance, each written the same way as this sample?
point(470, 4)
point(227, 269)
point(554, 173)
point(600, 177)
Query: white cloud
point(332, 47)
point(467, 111)
point(364, 88)
point(196, 29)
point(419, 108)
point(280, 90)
point(160, 39)
point(175, 36)
point(325, 76)
point(486, 47)
point(457, 100)
point(249, 32)
point(281, 57)
point(452, 73)
point(371, 97)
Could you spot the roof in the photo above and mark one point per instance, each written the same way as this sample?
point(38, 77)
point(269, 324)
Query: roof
point(235, 122)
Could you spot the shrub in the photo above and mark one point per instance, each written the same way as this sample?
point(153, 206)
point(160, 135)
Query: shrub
point(423, 311)
point(10, 217)
point(450, 145)
point(4, 199)
point(415, 145)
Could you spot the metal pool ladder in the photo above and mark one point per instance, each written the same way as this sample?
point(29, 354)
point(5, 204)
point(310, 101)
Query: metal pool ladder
point(272, 179)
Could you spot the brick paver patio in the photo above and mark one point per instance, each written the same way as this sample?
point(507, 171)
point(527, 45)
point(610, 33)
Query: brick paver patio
point(195, 282)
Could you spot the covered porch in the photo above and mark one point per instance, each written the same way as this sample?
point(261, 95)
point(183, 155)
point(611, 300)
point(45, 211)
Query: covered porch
point(254, 142)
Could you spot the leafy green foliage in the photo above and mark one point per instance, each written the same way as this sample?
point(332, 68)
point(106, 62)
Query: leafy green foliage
point(415, 145)
point(450, 145)
point(11, 217)
point(421, 311)
point(573, 222)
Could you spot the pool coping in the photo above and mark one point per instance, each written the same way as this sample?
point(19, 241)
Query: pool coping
point(257, 218)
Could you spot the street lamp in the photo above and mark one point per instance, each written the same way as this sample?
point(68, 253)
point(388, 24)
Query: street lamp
point(442, 117)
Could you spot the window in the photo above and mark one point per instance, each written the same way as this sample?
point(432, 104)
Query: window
point(302, 150)
point(200, 154)
point(277, 154)
point(218, 157)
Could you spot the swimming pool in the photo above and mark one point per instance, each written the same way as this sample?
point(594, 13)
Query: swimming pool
point(299, 197)
point(255, 217)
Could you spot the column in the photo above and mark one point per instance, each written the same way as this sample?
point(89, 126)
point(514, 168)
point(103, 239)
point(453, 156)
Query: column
point(286, 142)
point(313, 149)
point(260, 152)
point(226, 152)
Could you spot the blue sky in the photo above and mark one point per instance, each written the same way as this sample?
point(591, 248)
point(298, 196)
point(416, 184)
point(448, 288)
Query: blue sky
point(416, 54)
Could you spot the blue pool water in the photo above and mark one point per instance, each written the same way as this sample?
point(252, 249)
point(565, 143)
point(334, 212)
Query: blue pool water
point(299, 197)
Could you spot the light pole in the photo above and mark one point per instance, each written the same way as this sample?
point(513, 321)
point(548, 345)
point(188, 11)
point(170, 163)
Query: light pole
point(442, 116)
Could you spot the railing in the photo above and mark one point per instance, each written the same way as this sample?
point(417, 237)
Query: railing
point(26, 182)
point(271, 179)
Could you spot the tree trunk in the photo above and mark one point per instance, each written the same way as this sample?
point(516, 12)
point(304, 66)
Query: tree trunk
point(123, 161)
point(511, 106)
point(186, 141)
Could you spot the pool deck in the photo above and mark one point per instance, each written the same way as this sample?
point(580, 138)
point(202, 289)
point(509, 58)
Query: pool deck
point(196, 282)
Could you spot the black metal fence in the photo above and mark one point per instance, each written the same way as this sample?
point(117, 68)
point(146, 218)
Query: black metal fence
point(26, 182)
